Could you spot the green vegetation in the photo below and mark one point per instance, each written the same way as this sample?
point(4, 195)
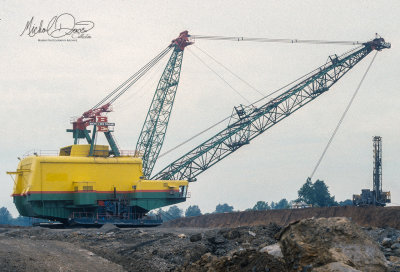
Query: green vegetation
point(192, 211)
point(7, 219)
point(316, 193)
point(281, 204)
point(261, 206)
point(175, 212)
point(222, 208)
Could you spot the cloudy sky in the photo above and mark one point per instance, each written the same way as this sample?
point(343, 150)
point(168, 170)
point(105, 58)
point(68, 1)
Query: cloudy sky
point(45, 83)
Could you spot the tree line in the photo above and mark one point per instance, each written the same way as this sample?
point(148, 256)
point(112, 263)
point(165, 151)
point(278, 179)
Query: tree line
point(315, 194)
point(7, 219)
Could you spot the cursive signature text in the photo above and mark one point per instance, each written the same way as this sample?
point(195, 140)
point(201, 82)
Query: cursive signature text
point(58, 27)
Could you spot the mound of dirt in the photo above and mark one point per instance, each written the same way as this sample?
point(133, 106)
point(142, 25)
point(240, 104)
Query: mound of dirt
point(243, 260)
point(313, 243)
point(320, 245)
point(144, 249)
point(107, 228)
point(381, 217)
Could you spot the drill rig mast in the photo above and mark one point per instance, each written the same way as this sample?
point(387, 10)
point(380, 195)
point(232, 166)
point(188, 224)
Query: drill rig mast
point(376, 197)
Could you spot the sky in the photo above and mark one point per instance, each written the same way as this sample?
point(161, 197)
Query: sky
point(45, 83)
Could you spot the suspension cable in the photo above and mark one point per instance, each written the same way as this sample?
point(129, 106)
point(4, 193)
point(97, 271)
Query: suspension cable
point(230, 71)
point(135, 77)
point(193, 137)
point(218, 75)
point(141, 88)
point(266, 96)
point(342, 118)
point(269, 40)
point(303, 76)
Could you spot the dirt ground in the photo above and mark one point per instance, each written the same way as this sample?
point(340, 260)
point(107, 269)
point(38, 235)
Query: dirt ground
point(175, 248)
point(380, 217)
point(114, 249)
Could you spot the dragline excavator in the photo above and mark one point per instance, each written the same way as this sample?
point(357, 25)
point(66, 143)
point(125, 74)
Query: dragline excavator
point(95, 184)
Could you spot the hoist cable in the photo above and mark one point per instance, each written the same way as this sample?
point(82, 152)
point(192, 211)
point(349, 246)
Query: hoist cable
point(139, 73)
point(193, 137)
point(226, 118)
point(218, 75)
point(142, 88)
point(135, 80)
point(269, 40)
point(150, 63)
point(230, 71)
point(342, 118)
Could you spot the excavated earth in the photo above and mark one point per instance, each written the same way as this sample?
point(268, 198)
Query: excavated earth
point(364, 216)
point(312, 243)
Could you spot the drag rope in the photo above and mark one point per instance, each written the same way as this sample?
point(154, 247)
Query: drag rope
point(342, 118)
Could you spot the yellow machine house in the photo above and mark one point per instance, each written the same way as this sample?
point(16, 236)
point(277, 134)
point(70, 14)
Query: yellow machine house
point(76, 186)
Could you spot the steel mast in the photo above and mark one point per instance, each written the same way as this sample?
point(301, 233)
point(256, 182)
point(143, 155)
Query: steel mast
point(155, 126)
point(377, 172)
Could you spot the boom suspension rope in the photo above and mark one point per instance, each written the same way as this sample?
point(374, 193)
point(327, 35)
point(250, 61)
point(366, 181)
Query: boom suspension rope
point(269, 40)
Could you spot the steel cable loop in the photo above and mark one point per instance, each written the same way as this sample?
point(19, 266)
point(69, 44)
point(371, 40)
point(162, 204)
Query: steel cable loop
point(144, 69)
point(342, 118)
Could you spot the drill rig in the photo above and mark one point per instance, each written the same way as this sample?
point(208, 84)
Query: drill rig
point(376, 197)
point(97, 184)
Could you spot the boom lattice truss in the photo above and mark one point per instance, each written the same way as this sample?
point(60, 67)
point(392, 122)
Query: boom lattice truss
point(247, 122)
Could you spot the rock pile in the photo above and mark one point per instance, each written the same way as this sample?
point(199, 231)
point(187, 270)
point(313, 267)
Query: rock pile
point(319, 245)
point(330, 244)
point(315, 244)
point(389, 241)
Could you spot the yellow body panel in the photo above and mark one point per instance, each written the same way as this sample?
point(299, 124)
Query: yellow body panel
point(75, 186)
point(84, 150)
point(76, 173)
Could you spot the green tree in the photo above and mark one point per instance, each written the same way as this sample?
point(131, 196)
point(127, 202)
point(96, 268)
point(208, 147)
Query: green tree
point(193, 211)
point(175, 212)
point(22, 221)
point(261, 206)
point(222, 208)
point(322, 196)
point(316, 193)
point(347, 202)
point(5, 216)
point(306, 192)
point(282, 204)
